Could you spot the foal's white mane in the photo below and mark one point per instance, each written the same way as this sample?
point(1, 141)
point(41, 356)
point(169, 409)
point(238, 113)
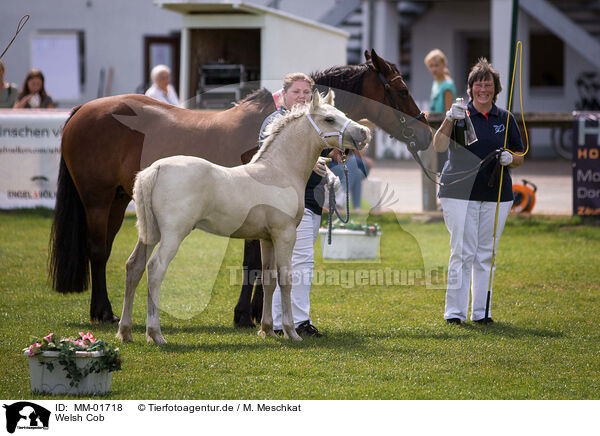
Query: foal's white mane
point(276, 125)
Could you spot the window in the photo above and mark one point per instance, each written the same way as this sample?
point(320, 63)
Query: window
point(60, 56)
point(547, 61)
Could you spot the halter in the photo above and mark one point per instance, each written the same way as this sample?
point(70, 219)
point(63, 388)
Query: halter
point(339, 133)
point(406, 131)
point(332, 205)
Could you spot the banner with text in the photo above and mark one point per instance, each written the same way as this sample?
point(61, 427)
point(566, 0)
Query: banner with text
point(586, 164)
point(29, 157)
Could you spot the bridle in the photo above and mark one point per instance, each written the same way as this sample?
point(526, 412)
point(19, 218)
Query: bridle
point(322, 135)
point(332, 206)
point(408, 133)
point(405, 131)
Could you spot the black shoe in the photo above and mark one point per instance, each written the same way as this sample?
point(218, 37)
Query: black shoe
point(455, 321)
point(484, 321)
point(308, 330)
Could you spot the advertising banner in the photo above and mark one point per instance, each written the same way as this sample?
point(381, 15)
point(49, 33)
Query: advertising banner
point(586, 164)
point(29, 157)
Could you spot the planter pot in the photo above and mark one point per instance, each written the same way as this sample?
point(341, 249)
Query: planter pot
point(55, 382)
point(349, 244)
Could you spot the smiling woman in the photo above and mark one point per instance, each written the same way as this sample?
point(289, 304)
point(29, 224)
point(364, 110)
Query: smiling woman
point(469, 204)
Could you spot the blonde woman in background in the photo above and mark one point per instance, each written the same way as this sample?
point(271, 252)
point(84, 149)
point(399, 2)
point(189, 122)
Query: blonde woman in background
point(443, 92)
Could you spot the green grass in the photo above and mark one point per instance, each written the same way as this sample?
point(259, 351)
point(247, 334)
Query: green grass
point(382, 342)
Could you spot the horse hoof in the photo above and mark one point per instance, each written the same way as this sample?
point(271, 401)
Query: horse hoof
point(154, 335)
point(292, 335)
point(243, 322)
point(124, 336)
point(263, 334)
point(157, 339)
point(109, 318)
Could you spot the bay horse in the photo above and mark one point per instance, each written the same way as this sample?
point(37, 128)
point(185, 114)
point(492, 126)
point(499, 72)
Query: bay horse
point(178, 194)
point(107, 141)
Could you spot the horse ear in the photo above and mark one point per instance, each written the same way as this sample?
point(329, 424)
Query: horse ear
point(379, 64)
point(367, 55)
point(316, 99)
point(330, 97)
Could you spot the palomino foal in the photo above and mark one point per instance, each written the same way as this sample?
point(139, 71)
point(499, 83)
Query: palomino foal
point(261, 200)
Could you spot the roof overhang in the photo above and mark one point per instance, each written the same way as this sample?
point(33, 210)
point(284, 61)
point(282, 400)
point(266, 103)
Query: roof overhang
point(234, 7)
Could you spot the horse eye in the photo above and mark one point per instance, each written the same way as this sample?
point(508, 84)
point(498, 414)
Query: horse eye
point(403, 93)
point(329, 120)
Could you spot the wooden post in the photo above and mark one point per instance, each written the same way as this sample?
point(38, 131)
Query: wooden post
point(429, 158)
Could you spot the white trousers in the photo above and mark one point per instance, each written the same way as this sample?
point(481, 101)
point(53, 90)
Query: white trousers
point(303, 263)
point(471, 227)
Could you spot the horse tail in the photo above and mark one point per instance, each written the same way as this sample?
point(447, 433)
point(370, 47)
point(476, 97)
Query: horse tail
point(147, 225)
point(68, 261)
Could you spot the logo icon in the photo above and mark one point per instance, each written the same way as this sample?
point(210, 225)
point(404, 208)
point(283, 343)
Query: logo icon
point(26, 415)
point(499, 128)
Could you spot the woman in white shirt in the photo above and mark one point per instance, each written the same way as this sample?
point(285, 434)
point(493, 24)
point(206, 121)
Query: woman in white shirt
point(161, 89)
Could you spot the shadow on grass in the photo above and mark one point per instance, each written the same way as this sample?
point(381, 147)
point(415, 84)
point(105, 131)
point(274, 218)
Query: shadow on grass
point(501, 329)
point(334, 340)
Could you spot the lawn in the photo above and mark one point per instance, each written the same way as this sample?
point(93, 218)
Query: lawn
point(384, 333)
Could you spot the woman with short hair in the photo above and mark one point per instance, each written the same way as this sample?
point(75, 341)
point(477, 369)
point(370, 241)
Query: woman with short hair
point(161, 88)
point(469, 205)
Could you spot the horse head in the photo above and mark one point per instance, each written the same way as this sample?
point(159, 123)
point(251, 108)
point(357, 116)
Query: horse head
point(333, 126)
point(393, 108)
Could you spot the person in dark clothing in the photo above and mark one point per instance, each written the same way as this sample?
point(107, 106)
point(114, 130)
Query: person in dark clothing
point(469, 205)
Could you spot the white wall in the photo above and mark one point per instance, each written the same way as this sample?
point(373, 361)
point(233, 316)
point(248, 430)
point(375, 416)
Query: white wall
point(289, 46)
point(114, 31)
point(440, 28)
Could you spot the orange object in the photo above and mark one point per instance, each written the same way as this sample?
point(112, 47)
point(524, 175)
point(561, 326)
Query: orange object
point(524, 197)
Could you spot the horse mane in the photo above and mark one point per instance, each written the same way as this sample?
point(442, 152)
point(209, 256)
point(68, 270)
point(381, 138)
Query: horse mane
point(347, 78)
point(276, 125)
point(261, 97)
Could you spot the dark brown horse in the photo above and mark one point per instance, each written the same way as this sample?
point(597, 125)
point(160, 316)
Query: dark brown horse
point(107, 141)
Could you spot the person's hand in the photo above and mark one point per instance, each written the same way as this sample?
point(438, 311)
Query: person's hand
point(505, 158)
point(321, 166)
point(337, 184)
point(20, 104)
point(457, 111)
point(336, 154)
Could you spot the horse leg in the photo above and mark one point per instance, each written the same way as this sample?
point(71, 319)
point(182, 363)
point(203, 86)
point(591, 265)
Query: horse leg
point(268, 278)
point(258, 296)
point(157, 269)
point(134, 270)
point(283, 255)
point(97, 222)
point(245, 309)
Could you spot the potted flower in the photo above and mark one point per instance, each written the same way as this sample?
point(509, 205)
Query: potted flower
point(351, 241)
point(79, 366)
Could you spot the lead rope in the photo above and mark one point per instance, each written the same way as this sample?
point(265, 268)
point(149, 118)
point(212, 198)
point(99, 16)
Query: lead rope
point(519, 54)
point(332, 205)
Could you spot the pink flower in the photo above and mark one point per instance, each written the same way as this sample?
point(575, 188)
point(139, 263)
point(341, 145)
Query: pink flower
point(88, 337)
point(49, 337)
point(33, 347)
point(79, 342)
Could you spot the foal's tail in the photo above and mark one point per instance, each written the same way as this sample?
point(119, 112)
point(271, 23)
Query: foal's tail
point(68, 260)
point(148, 230)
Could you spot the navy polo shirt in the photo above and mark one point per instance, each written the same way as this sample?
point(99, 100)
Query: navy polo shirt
point(314, 194)
point(490, 129)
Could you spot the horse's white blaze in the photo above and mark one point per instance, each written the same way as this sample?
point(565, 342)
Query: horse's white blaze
point(262, 200)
